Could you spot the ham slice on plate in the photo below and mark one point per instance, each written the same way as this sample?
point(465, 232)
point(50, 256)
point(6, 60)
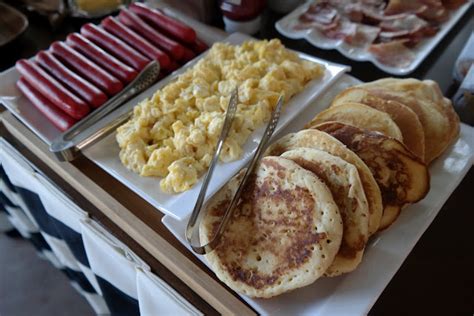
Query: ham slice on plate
point(321, 12)
point(364, 35)
point(407, 22)
point(320, 16)
point(404, 6)
point(356, 34)
point(430, 10)
point(344, 28)
point(394, 25)
point(409, 27)
point(435, 14)
point(394, 53)
point(453, 4)
point(364, 13)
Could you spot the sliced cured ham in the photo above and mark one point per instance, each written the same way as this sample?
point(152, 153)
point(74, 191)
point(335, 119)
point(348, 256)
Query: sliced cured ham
point(363, 13)
point(344, 29)
point(374, 3)
point(409, 27)
point(404, 6)
point(364, 35)
point(408, 22)
point(453, 4)
point(388, 28)
point(430, 10)
point(316, 25)
point(321, 12)
point(320, 16)
point(394, 53)
point(436, 15)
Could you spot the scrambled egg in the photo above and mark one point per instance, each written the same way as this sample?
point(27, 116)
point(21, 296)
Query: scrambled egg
point(173, 134)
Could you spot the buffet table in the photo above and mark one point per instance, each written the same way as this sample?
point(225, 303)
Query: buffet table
point(432, 280)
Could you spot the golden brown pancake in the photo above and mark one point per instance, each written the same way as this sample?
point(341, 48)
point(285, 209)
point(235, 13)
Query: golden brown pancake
point(401, 176)
point(343, 181)
point(312, 138)
point(407, 120)
point(284, 234)
point(360, 115)
point(342, 264)
point(435, 112)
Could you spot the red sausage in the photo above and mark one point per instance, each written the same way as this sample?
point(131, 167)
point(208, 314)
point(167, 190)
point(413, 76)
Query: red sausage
point(130, 19)
point(49, 87)
point(83, 89)
point(114, 46)
point(198, 46)
point(90, 71)
point(161, 75)
point(173, 66)
point(169, 25)
point(60, 119)
point(188, 55)
point(124, 33)
point(118, 69)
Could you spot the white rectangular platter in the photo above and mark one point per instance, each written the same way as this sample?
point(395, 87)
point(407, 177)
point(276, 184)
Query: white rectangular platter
point(315, 38)
point(356, 292)
point(106, 152)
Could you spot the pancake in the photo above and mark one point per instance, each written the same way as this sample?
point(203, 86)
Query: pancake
point(312, 138)
point(435, 112)
point(343, 181)
point(401, 176)
point(360, 115)
point(284, 234)
point(407, 120)
point(342, 264)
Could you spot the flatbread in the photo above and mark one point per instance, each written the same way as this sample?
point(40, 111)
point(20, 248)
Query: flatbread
point(284, 234)
point(401, 176)
point(312, 138)
point(343, 181)
point(342, 264)
point(435, 112)
point(360, 115)
point(407, 120)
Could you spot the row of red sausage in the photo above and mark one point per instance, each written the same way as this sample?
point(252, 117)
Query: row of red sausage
point(82, 73)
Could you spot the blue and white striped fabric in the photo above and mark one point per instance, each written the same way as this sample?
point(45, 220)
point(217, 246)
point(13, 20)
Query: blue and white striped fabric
point(115, 267)
point(155, 295)
point(6, 188)
point(5, 224)
point(14, 166)
point(58, 239)
point(128, 285)
point(66, 217)
point(105, 271)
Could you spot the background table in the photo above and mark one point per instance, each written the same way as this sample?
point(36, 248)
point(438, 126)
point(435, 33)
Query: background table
point(438, 275)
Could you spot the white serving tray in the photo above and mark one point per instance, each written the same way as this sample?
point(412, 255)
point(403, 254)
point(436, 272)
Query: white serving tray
point(315, 38)
point(356, 292)
point(105, 153)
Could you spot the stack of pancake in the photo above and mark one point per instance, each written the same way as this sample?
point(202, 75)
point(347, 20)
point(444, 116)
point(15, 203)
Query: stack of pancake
point(319, 194)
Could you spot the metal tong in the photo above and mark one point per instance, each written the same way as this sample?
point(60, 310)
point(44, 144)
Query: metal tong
point(86, 132)
point(196, 215)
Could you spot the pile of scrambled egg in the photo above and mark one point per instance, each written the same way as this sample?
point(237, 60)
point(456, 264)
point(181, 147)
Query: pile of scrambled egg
point(173, 134)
